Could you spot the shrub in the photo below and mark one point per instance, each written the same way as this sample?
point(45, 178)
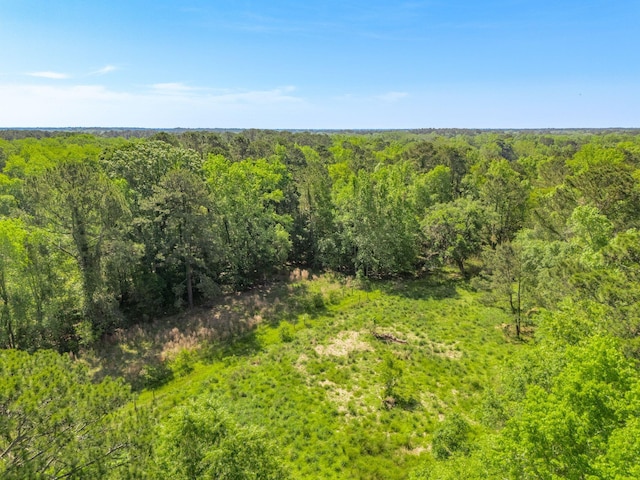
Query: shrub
point(154, 375)
point(450, 437)
point(182, 364)
point(287, 332)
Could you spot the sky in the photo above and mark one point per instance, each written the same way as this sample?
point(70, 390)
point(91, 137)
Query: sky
point(320, 64)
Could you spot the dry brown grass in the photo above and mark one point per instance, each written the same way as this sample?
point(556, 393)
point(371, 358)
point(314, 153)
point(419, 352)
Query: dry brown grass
point(339, 396)
point(127, 352)
point(345, 343)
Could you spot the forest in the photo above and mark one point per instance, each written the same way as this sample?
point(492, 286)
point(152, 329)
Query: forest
point(427, 304)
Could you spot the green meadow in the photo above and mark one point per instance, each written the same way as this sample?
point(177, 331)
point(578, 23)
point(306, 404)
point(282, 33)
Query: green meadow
point(351, 380)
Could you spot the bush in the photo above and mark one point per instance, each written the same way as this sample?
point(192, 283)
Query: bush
point(450, 437)
point(287, 332)
point(317, 300)
point(155, 375)
point(182, 364)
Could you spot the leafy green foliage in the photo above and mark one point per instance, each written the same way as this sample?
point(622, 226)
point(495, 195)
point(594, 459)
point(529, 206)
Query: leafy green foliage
point(77, 201)
point(565, 431)
point(452, 232)
point(508, 278)
point(504, 193)
point(200, 440)
point(180, 214)
point(55, 423)
point(354, 379)
point(245, 197)
point(376, 219)
point(451, 437)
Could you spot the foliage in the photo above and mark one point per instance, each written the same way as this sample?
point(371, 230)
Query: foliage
point(57, 424)
point(245, 196)
point(200, 440)
point(76, 200)
point(376, 205)
point(377, 220)
point(504, 193)
point(572, 428)
point(452, 232)
point(451, 437)
point(179, 210)
point(508, 277)
point(102, 234)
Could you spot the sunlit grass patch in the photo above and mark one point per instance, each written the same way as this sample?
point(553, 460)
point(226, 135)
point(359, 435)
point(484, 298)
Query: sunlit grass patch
point(352, 382)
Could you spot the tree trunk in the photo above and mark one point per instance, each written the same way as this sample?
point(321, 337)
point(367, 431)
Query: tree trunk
point(189, 275)
point(519, 312)
point(89, 262)
point(6, 312)
point(460, 265)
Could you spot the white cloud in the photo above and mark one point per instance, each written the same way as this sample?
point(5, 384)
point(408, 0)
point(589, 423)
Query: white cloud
point(171, 87)
point(277, 95)
point(160, 105)
point(49, 75)
point(392, 96)
point(104, 70)
point(224, 96)
point(63, 105)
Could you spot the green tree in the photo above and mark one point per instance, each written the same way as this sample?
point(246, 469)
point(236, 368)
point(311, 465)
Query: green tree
point(505, 195)
point(452, 232)
point(245, 196)
point(601, 178)
point(181, 214)
point(143, 165)
point(38, 290)
point(427, 156)
point(140, 277)
point(200, 440)
point(56, 423)
point(78, 202)
point(317, 212)
point(610, 278)
point(574, 427)
point(12, 260)
point(508, 278)
point(376, 216)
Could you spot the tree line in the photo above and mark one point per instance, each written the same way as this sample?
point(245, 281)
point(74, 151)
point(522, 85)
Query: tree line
point(98, 233)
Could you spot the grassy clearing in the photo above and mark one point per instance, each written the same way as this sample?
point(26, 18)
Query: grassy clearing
point(351, 382)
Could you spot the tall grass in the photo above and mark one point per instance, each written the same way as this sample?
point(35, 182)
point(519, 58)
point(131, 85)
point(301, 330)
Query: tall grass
point(352, 380)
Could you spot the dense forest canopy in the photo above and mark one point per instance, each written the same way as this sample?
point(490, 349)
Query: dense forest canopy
point(99, 233)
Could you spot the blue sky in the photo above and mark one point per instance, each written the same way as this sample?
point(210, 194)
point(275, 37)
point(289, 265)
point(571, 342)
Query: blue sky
point(312, 64)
